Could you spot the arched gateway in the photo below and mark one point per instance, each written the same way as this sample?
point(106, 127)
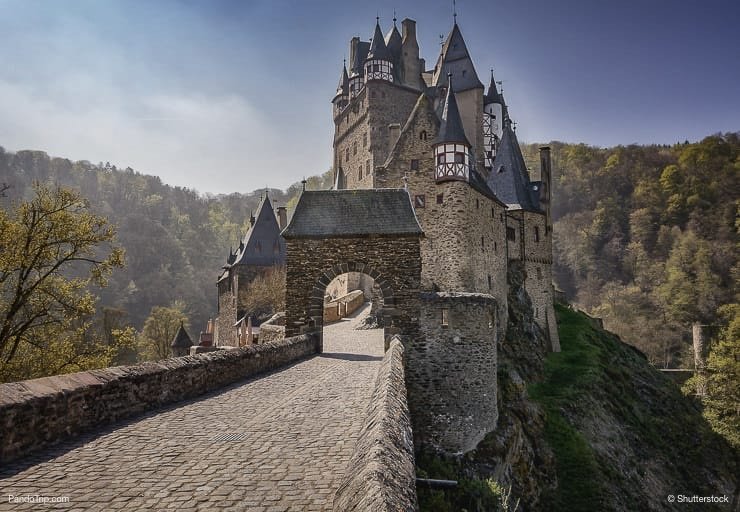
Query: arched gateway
point(372, 231)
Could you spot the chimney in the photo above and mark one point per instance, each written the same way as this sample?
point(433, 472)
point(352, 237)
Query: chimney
point(282, 215)
point(408, 29)
point(353, 51)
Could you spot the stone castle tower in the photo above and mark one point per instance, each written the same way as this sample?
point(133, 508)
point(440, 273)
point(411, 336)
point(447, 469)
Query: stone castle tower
point(454, 148)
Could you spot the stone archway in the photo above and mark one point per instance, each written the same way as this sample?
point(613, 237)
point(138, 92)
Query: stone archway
point(368, 231)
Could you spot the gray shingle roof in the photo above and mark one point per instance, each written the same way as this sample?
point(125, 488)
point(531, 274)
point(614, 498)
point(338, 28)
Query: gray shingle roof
point(343, 86)
point(358, 65)
point(455, 59)
point(182, 339)
point(451, 128)
point(262, 245)
point(378, 49)
point(346, 213)
point(492, 96)
point(393, 41)
point(509, 179)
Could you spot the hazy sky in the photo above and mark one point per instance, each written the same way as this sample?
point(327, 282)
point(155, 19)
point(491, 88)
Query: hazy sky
point(230, 96)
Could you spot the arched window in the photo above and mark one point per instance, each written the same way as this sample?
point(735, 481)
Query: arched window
point(423, 135)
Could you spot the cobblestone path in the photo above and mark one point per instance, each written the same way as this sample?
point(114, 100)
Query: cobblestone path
point(292, 434)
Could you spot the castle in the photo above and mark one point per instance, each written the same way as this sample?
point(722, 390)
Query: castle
point(438, 141)
point(439, 134)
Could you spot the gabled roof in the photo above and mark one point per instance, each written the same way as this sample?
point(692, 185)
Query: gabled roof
point(262, 245)
point(455, 59)
point(378, 49)
point(509, 179)
point(492, 96)
point(451, 128)
point(182, 339)
point(352, 213)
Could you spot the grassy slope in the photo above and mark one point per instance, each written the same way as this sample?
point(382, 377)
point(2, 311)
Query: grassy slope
point(623, 435)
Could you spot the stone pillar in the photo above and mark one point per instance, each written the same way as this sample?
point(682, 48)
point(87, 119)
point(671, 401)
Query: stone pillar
point(700, 340)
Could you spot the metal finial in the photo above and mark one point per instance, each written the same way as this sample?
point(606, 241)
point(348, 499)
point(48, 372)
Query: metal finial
point(405, 181)
point(441, 39)
point(454, 12)
point(394, 17)
point(513, 125)
point(304, 183)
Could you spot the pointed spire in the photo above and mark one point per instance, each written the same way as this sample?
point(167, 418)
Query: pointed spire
point(493, 95)
point(455, 58)
point(343, 86)
point(451, 128)
point(509, 179)
point(378, 49)
point(182, 338)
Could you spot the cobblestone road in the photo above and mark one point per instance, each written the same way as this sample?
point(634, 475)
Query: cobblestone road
point(293, 433)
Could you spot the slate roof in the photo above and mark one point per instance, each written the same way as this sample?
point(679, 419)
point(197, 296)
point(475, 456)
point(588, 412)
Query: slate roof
point(346, 213)
point(358, 64)
point(451, 127)
point(492, 96)
point(343, 86)
point(378, 49)
point(182, 340)
point(455, 59)
point(393, 41)
point(262, 245)
point(509, 179)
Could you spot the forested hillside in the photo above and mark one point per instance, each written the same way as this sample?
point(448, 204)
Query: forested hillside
point(175, 239)
point(646, 237)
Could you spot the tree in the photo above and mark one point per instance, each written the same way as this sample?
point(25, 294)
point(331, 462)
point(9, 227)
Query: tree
point(52, 249)
point(265, 295)
point(159, 331)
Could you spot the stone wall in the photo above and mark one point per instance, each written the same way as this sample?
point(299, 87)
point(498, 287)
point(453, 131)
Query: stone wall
point(41, 412)
point(451, 372)
point(270, 333)
point(393, 261)
point(381, 475)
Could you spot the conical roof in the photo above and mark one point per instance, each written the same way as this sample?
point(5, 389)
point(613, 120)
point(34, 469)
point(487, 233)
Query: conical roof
point(343, 86)
point(456, 60)
point(492, 96)
point(451, 127)
point(182, 339)
point(393, 42)
point(378, 49)
point(509, 179)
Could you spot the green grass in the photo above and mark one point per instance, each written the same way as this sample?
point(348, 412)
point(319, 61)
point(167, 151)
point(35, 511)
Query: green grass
point(567, 374)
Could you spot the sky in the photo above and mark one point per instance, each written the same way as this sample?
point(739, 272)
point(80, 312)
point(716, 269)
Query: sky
point(229, 96)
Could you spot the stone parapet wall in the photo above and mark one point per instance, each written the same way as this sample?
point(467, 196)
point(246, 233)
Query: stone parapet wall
point(270, 333)
point(381, 474)
point(41, 412)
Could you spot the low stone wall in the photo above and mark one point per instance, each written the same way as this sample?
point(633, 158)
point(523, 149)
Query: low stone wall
point(271, 333)
point(381, 475)
point(41, 412)
point(343, 306)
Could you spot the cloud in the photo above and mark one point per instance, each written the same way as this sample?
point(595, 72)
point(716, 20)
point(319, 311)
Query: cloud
point(210, 143)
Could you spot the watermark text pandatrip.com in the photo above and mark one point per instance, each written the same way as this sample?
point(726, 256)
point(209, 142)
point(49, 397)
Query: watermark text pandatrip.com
point(36, 498)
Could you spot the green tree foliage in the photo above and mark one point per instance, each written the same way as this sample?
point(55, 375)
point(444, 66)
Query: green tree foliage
point(646, 236)
point(52, 250)
point(265, 295)
point(159, 331)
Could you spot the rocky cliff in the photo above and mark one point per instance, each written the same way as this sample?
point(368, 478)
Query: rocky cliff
point(594, 427)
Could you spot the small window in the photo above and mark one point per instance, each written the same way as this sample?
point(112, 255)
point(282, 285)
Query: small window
point(364, 140)
point(440, 198)
point(511, 234)
point(419, 201)
point(490, 283)
point(493, 213)
point(495, 247)
point(539, 273)
point(367, 167)
point(360, 173)
point(423, 135)
point(477, 203)
point(536, 234)
point(354, 148)
point(445, 317)
point(414, 165)
point(464, 71)
point(459, 158)
point(441, 158)
point(346, 155)
point(482, 243)
point(376, 68)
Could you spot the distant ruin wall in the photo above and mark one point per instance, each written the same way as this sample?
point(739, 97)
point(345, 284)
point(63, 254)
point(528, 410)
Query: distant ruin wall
point(41, 412)
point(381, 475)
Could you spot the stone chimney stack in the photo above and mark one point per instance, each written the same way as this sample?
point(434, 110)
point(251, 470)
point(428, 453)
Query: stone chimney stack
point(411, 65)
point(354, 42)
point(282, 215)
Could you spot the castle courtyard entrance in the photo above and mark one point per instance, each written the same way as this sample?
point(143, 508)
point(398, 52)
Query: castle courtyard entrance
point(334, 232)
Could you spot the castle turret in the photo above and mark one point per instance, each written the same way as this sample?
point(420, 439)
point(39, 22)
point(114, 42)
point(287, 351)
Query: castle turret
point(492, 122)
point(451, 148)
point(379, 62)
point(341, 98)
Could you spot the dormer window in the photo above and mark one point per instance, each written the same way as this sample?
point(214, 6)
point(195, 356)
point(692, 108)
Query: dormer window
point(453, 162)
